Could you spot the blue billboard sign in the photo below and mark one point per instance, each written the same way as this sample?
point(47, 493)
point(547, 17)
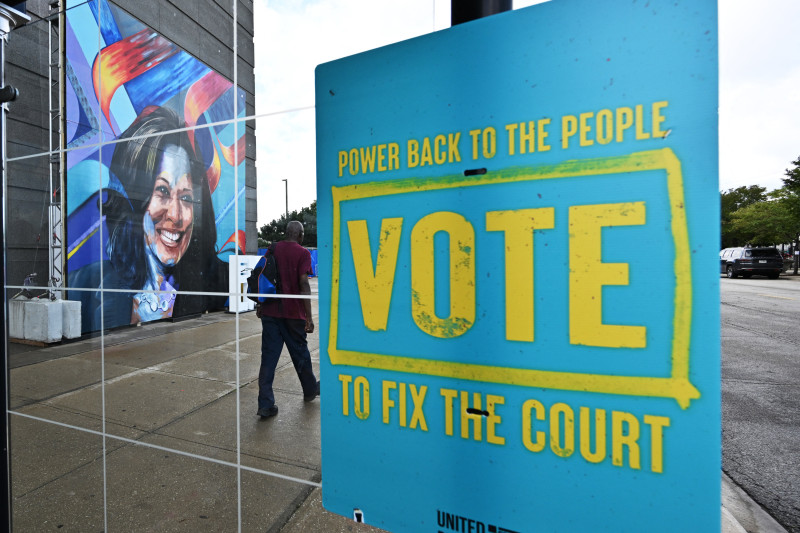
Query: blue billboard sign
point(520, 306)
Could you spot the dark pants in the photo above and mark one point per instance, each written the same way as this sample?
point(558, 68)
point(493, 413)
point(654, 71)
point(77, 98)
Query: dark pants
point(276, 332)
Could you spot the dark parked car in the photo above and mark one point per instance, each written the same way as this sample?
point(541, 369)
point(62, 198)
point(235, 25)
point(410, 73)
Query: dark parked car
point(747, 261)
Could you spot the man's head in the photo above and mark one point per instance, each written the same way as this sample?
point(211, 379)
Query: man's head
point(294, 232)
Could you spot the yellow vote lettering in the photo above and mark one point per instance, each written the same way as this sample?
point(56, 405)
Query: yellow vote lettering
point(519, 227)
point(368, 159)
point(468, 417)
point(584, 128)
point(443, 149)
point(453, 155)
point(657, 425)
point(402, 404)
point(493, 419)
point(364, 160)
point(658, 118)
point(448, 395)
point(528, 433)
point(473, 415)
point(588, 274)
point(388, 403)
point(587, 277)
point(417, 398)
point(362, 397)
point(412, 153)
point(375, 283)
point(569, 127)
point(586, 420)
point(556, 426)
point(641, 134)
point(439, 153)
point(624, 116)
point(625, 434)
point(562, 430)
point(346, 380)
point(486, 139)
point(607, 125)
point(427, 157)
point(462, 275)
point(532, 136)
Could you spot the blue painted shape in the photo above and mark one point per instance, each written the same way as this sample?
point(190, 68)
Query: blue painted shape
point(104, 16)
point(84, 244)
point(85, 180)
point(156, 86)
point(82, 125)
point(83, 30)
point(552, 65)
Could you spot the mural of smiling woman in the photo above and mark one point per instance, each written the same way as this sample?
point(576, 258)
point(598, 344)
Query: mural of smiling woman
point(161, 229)
point(168, 220)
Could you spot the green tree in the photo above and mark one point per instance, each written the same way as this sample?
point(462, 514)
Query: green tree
point(731, 201)
point(765, 223)
point(791, 184)
point(275, 230)
point(792, 180)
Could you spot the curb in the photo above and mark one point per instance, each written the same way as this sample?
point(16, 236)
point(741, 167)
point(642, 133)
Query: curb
point(741, 514)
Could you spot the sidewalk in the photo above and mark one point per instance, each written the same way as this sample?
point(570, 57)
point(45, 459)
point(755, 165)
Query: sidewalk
point(741, 514)
point(169, 413)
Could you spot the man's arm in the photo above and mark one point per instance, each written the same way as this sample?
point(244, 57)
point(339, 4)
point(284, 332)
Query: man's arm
point(305, 288)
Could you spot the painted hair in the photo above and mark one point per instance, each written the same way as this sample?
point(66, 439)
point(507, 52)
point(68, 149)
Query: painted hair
point(132, 175)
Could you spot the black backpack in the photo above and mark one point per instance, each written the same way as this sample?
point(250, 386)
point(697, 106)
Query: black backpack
point(264, 279)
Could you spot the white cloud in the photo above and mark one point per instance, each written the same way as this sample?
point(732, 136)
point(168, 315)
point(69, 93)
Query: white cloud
point(759, 91)
point(291, 39)
point(759, 83)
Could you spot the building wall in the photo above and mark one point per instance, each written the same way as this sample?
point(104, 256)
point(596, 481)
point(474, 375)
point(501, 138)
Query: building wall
point(27, 192)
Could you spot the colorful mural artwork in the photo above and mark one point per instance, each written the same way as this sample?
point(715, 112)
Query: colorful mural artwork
point(151, 195)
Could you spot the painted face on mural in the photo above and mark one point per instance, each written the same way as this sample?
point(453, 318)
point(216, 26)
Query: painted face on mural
point(169, 217)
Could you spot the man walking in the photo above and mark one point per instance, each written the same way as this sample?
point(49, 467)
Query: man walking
point(287, 320)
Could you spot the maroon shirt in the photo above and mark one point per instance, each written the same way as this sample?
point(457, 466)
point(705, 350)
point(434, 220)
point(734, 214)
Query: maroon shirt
point(293, 261)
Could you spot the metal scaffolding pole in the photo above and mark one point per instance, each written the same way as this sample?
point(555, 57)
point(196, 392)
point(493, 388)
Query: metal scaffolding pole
point(55, 77)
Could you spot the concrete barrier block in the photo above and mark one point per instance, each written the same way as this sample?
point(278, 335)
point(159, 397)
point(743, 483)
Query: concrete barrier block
point(43, 321)
point(71, 319)
point(16, 319)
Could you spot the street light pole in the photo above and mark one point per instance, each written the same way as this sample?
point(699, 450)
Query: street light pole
point(286, 183)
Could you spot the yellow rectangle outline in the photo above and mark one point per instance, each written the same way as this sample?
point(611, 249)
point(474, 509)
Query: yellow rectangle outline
point(676, 386)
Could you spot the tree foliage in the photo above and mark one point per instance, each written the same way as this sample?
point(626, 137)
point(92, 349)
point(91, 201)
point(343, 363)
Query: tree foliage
point(792, 180)
point(750, 215)
point(731, 201)
point(791, 184)
point(275, 230)
point(765, 223)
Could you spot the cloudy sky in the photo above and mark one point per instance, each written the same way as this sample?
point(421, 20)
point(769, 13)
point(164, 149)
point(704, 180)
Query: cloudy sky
point(759, 83)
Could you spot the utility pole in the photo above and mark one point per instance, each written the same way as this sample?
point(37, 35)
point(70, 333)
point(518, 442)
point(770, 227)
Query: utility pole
point(466, 10)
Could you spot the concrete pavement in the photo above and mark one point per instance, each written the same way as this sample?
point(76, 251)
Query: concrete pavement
point(171, 455)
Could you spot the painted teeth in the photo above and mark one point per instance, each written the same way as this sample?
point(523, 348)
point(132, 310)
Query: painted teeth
point(171, 236)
